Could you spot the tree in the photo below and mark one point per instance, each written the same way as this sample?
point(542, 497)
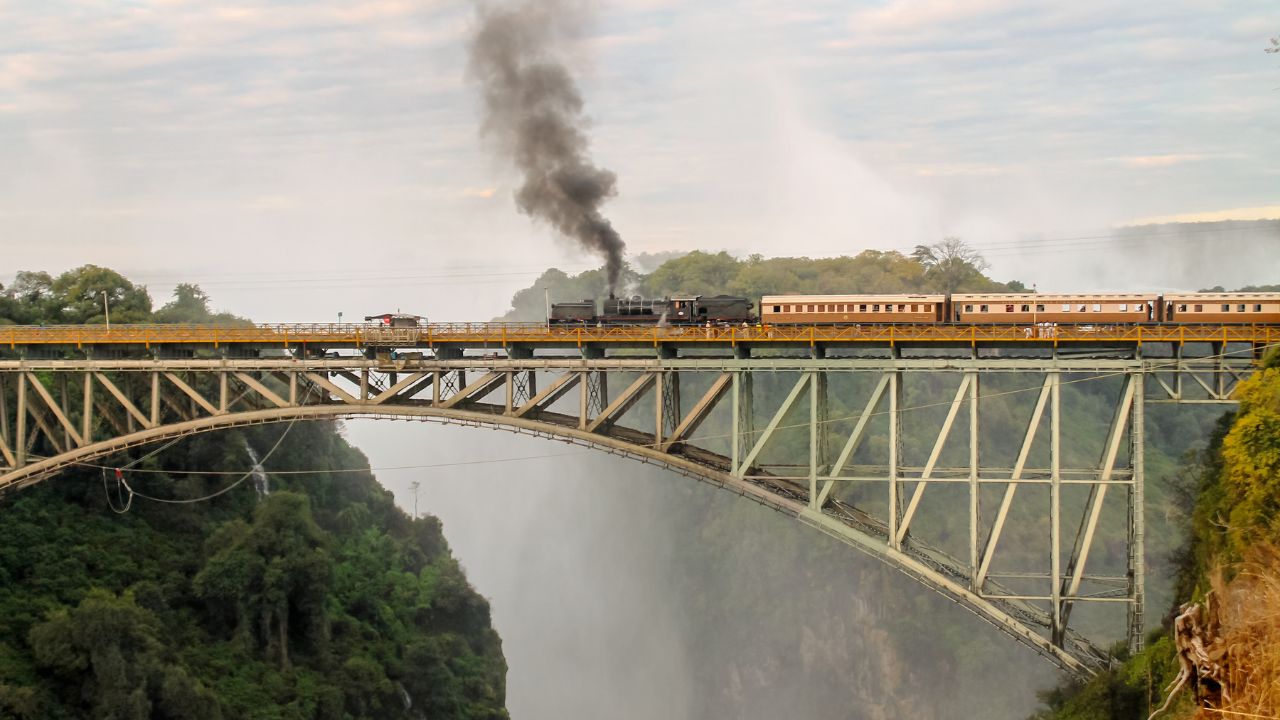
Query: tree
point(190, 304)
point(79, 296)
point(951, 264)
point(109, 651)
point(272, 576)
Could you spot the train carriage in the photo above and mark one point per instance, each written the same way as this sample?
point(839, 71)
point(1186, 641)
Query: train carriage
point(1222, 308)
point(1031, 308)
point(851, 309)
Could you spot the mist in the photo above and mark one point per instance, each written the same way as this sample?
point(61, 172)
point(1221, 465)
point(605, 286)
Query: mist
point(587, 560)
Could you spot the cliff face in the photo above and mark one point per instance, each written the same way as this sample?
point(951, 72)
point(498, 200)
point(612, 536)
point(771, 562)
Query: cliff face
point(320, 599)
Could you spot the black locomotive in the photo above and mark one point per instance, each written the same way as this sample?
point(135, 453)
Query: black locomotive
point(692, 310)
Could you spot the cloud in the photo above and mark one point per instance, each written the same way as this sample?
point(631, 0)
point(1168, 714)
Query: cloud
point(1157, 161)
point(903, 119)
point(909, 17)
point(1265, 212)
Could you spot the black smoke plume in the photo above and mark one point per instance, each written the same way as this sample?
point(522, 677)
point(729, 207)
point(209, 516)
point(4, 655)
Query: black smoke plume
point(533, 111)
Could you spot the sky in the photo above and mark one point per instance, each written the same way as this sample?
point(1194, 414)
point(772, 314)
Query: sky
point(301, 159)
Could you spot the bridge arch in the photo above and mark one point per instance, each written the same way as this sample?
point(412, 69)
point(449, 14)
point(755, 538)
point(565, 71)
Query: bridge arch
point(914, 567)
point(84, 410)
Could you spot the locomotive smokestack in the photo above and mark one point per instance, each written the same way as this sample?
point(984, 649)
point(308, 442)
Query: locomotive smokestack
point(533, 111)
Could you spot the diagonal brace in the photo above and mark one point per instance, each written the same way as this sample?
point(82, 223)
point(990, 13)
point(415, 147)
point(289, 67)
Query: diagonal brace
point(855, 438)
point(550, 393)
point(938, 444)
point(623, 402)
point(479, 388)
point(53, 408)
point(1098, 494)
point(741, 470)
point(698, 413)
point(124, 400)
point(984, 565)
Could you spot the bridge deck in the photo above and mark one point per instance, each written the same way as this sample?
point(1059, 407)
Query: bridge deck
point(529, 334)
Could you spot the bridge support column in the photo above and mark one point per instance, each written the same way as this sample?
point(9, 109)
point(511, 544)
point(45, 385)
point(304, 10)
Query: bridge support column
point(20, 446)
point(743, 422)
point(974, 488)
point(895, 456)
point(1137, 523)
point(1056, 630)
point(817, 433)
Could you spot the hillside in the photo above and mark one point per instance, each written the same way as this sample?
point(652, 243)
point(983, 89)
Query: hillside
point(307, 595)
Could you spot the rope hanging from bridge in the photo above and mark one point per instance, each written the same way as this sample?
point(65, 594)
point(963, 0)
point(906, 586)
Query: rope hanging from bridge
point(121, 481)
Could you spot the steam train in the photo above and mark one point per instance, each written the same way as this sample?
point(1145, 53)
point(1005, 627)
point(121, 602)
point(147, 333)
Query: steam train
point(1245, 308)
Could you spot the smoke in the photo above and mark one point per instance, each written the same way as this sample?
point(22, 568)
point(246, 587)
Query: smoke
point(533, 110)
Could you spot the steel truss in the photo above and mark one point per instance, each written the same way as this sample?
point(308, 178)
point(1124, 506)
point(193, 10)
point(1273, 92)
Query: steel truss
point(865, 474)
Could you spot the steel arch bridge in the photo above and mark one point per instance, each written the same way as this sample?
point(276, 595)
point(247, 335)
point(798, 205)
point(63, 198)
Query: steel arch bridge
point(878, 442)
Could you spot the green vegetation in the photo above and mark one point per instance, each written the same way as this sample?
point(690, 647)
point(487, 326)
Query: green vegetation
point(319, 599)
point(944, 267)
point(1233, 510)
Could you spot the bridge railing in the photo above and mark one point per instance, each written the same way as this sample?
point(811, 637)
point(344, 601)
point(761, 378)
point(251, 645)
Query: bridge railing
point(285, 335)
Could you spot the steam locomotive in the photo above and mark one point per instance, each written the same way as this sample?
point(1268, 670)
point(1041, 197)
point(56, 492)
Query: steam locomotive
point(1253, 308)
point(690, 310)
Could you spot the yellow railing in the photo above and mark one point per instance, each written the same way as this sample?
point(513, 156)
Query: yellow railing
point(500, 334)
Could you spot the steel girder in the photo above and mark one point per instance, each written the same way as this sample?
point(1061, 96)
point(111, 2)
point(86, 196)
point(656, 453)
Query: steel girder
point(56, 414)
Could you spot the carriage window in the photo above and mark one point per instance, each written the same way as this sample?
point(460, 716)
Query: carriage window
point(1066, 307)
point(1084, 308)
point(1026, 308)
point(888, 308)
point(902, 308)
point(984, 308)
point(777, 308)
point(1257, 308)
point(1039, 308)
point(1182, 308)
point(913, 308)
point(968, 308)
point(928, 306)
point(1096, 308)
point(862, 308)
point(1008, 308)
point(1226, 308)
point(1240, 308)
point(1139, 307)
point(1199, 308)
point(1124, 307)
point(875, 308)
